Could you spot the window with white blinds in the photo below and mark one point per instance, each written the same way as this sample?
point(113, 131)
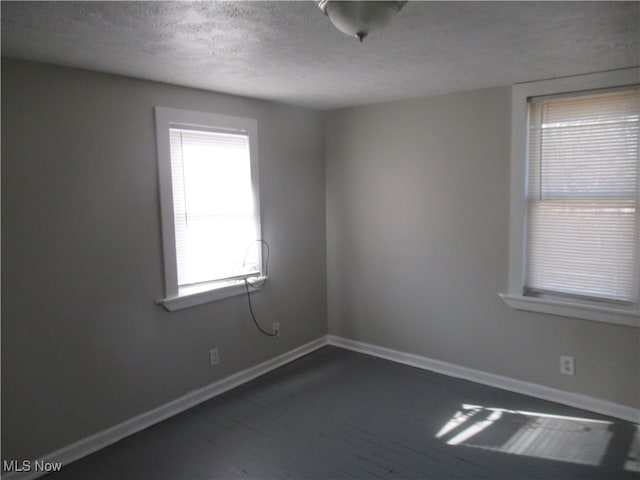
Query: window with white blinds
point(212, 205)
point(583, 196)
point(210, 209)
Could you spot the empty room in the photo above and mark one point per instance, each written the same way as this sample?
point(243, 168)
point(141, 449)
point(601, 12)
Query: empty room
point(320, 240)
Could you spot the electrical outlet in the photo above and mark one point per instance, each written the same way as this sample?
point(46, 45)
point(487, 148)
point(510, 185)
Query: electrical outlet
point(213, 357)
point(567, 365)
point(275, 329)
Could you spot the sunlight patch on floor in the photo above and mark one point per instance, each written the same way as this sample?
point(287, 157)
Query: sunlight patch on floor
point(533, 434)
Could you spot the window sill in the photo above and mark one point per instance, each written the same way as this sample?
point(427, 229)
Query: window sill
point(619, 316)
point(187, 299)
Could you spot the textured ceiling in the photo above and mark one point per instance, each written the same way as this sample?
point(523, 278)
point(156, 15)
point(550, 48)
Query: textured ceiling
point(290, 52)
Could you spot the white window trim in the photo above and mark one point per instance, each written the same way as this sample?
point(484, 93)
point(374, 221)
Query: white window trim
point(219, 292)
point(179, 298)
point(517, 220)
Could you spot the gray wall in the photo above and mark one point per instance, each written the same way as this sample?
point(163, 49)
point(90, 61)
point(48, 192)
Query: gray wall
point(84, 346)
point(416, 241)
point(417, 237)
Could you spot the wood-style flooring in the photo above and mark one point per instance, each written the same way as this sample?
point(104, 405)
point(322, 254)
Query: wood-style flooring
point(337, 414)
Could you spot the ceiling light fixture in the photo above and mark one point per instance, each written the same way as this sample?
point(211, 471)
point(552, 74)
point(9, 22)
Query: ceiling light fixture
point(358, 19)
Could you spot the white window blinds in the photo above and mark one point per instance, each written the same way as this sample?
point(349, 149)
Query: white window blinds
point(583, 196)
point(213, 204)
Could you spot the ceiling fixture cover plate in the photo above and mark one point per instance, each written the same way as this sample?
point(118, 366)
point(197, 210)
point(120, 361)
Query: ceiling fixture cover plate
point(359, 18)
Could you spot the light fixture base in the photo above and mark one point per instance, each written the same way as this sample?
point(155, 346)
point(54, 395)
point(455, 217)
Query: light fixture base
point(322, 4)
point(359, 18)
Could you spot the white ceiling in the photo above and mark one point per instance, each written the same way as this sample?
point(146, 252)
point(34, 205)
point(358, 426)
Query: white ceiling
point(290, 52)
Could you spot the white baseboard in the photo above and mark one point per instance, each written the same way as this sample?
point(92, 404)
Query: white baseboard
point(107, 437)
point(505, 383)
point(95, 442)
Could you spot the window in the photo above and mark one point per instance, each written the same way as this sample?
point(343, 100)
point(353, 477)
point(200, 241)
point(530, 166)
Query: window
point(209, 204)
point(575, 197)
point(582, 197)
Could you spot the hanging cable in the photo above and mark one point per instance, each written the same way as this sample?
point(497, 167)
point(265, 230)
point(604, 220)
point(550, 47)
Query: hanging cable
point(265, 272)
point(253, 316)
point(265, 264)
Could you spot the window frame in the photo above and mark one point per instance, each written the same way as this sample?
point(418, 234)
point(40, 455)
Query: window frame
point(177, 298)
point(514, 297)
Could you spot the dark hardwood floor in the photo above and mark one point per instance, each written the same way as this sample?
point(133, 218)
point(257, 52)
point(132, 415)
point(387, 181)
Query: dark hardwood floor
point(341, 414)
